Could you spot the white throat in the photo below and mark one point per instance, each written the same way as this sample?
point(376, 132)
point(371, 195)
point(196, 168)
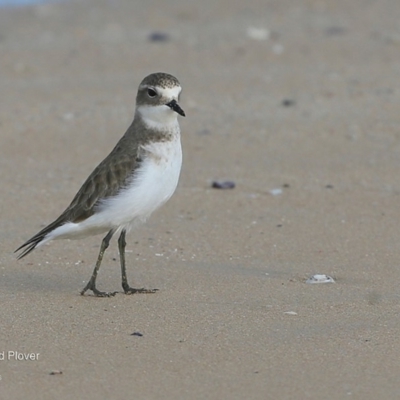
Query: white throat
point(158, 117)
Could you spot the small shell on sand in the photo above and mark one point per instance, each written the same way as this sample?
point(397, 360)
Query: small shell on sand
point(320, 278)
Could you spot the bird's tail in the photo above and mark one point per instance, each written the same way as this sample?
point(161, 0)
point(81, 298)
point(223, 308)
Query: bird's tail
point(38, 239)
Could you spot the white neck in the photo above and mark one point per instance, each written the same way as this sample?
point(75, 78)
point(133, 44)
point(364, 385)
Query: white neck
point(158, 117)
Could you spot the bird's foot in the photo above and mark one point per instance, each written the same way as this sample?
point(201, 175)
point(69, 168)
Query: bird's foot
point(130, 290)
point(91, 286)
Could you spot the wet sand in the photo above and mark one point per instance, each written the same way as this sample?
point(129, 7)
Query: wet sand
point(302, 97)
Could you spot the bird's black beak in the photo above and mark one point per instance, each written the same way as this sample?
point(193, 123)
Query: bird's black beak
point(176, 107)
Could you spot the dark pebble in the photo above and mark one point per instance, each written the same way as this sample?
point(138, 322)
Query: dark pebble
point(329, 186)
point(223, 185)
point(136, 334)
point(288, 102)
point(158, 37)
point(55, 373)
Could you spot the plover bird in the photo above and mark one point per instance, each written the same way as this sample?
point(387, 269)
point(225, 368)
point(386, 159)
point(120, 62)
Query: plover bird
point(137, 177)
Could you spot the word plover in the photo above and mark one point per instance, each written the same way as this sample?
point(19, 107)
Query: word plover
point(137, 177)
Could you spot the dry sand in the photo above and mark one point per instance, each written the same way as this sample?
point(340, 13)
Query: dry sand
point(231, 264)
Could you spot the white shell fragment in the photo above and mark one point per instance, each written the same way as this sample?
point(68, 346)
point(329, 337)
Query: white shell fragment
point(258, 33)
point(320, 278)
point(276, 192)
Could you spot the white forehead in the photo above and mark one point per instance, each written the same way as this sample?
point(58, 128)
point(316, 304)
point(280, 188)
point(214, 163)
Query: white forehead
point(169, 93)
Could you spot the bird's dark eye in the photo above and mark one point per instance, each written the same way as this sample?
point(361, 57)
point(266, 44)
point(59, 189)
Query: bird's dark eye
point(151, 92)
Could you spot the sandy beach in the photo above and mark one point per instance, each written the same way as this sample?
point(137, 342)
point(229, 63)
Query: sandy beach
point(297, 103)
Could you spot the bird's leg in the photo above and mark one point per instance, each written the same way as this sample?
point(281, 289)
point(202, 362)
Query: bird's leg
point(125, 285)
point(92, 282)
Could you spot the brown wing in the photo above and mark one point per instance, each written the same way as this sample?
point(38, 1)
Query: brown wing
point(105, 181)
